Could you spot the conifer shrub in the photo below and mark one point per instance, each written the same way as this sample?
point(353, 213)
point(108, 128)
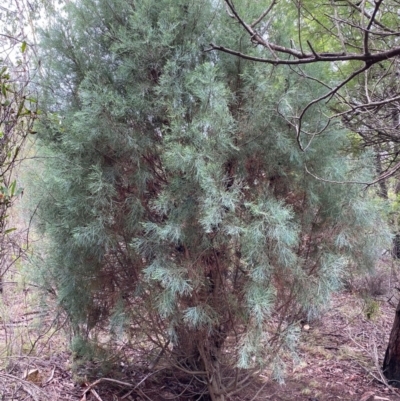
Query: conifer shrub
point(177, 209)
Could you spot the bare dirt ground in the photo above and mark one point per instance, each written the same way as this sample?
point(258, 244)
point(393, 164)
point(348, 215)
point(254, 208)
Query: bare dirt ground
point(340, 354)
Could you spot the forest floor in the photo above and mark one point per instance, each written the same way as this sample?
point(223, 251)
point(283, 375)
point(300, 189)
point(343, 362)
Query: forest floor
point(340, 354)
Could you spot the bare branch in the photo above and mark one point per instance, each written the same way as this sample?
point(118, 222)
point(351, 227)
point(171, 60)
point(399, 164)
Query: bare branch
point(375, 22)
point(382, 177)
point(369, 105)
point(309, 58)
point(328, 94)
point(263, 15)
point(370, 46)
point(371, 32)
point(371, 21)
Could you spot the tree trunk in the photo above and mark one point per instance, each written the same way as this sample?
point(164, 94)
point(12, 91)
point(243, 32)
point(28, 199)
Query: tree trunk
point(210, 355)
point(391, 363)
point(199, 351)
point(396, 246)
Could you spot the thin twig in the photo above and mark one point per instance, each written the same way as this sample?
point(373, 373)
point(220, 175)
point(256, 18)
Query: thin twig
point(94, 392)
point(51, 377)
point(263, 15)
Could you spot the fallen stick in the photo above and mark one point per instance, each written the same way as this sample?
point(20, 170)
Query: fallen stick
point(94, 392)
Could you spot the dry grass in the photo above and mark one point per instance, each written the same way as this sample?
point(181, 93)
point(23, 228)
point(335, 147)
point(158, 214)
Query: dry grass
point(33, 357)
point(342, 353)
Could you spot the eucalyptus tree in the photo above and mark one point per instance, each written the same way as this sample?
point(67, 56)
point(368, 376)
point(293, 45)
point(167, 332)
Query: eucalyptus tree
point(177, 209)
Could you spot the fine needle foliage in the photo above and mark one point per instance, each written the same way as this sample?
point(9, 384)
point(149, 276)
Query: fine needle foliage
point(178, 212)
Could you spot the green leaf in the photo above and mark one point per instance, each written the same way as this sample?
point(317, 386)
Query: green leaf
point(10, 230)
point(19, 191)
point(4, 191)
point(21, 106)
point(26, 112)
point(23, 47)
point(12, 188)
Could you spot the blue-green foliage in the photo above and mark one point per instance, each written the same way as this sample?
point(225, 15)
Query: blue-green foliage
point(175, 194)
